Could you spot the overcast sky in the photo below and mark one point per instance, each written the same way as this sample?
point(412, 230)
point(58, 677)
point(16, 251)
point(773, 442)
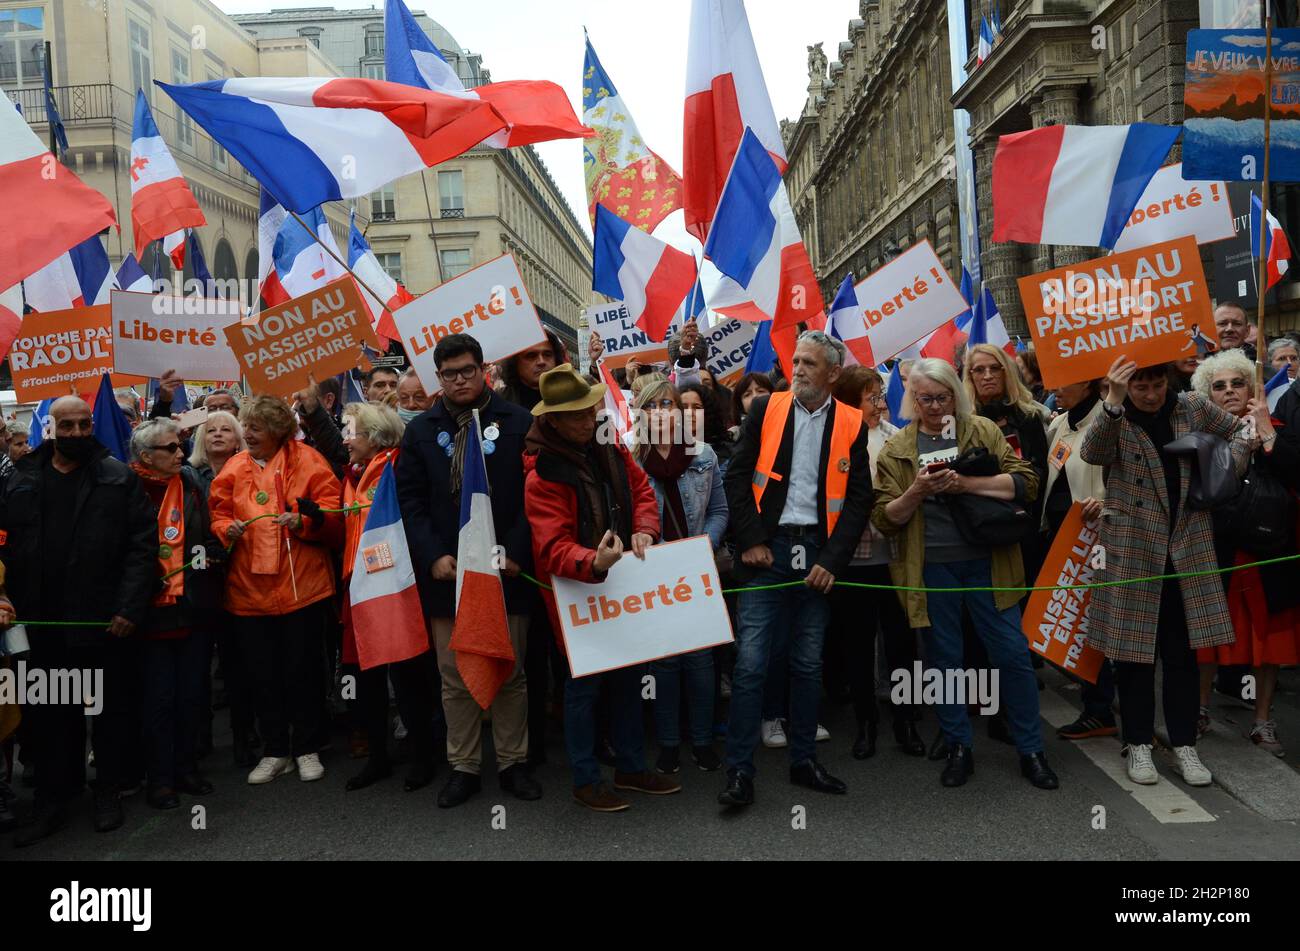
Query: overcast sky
point(641, 45)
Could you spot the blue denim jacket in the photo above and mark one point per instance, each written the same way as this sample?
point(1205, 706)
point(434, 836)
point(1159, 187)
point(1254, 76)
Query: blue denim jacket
point(702, 494)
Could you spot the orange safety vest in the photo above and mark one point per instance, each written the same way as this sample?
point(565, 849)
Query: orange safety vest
point(847, 426)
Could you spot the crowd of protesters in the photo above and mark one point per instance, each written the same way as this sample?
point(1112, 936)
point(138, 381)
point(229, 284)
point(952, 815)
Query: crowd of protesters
point(211, 571)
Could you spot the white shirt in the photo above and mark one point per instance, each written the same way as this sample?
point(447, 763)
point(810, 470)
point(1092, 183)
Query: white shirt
point(805, 464)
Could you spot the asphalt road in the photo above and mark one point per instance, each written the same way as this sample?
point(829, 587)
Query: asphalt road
point(895, 809)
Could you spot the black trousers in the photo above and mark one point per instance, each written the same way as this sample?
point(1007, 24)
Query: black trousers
point(172, 674)
point(1136, 683)
point(854, 616)
point(58, 731)
point(414, 687)
point(283, 656)
point(234, 670)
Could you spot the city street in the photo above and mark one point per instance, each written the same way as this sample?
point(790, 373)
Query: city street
point(895, 809)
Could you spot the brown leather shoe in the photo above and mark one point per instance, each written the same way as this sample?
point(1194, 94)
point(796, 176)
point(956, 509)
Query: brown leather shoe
point(601, 798)
point(647, 782)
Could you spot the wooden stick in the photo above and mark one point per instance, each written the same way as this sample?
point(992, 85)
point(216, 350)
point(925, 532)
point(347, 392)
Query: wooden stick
point(1262, 284)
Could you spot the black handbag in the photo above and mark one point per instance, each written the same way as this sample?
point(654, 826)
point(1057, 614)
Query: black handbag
point(1261, 519)
point(1214, 478)
point(982, 520)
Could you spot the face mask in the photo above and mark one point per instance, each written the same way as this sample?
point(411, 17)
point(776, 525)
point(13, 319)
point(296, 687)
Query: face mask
point(76, 448)
point(408, 414)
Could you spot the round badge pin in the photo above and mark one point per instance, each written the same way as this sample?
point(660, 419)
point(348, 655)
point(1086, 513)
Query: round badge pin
point(261, 498)
point(450, 450)
point(492, 433)
point(444, 439)
point(171, 533)
point(844, 465)
point(489, 447)
point(164, 551)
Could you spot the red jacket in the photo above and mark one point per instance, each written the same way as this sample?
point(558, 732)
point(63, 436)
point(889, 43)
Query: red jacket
point(552, 509)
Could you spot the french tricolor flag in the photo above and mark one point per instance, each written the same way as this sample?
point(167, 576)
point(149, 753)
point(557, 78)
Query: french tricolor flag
point(45, 214)
point(755, 243)
point(131, 277)
point(363, 263)
point(1277, 249)
point(725, 95)
point(846, 323)
point(649, 276)
point(616, 408)
point(162, 205)
point(894, 390)
point(1276, 387)
point(80, 277)
point(1071, 184)
point(986, 325)
point(531, 110)
point(480, 636)
point(383, 597)
point(315, 139)
point(986, 42)
point(290, 262)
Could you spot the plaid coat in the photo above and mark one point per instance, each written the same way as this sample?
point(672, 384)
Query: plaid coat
point(1136, 537)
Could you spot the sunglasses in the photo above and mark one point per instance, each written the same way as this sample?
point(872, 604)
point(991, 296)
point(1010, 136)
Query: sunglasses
point(170, 448)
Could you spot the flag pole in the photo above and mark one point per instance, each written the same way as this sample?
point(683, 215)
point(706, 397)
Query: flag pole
point(1261, 289)
point(330, 251)
point(433, 232)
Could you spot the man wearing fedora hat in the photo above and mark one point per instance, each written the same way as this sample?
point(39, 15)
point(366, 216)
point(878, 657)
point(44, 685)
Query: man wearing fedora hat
point(588, 502)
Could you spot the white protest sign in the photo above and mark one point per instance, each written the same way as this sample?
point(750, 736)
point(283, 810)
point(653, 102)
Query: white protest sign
point(1172, 208)
point(669, 604)
point(489, 302)
point(729, 346)
point(153, 333)
point(623, 339)
point(906, 299)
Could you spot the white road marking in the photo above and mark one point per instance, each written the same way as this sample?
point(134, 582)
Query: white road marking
point(1165, 800)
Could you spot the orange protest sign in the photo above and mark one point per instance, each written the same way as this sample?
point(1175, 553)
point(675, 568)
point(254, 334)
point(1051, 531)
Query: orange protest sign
point(64, 352)
point(1150, 305)
point(1056, 621)
point(314, 336)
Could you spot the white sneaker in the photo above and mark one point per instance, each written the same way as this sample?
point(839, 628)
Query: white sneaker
point(773, 734)
point(823, 734)
point(399, 730)
point(1141, 768)
point(309, 768)
point(1190, 766)
point(269, 768)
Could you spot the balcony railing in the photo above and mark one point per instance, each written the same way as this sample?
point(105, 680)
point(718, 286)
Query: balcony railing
point(451, 213)
point(98, 104)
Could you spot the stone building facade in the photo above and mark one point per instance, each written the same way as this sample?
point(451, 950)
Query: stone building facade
point(870, 157)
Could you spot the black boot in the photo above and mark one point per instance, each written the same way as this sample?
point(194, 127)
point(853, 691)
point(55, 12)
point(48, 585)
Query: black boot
point(961, 765)
point(908, 739)
point(864, 747)
point(939, 748)
point(47, 820)
point(459, 788)
point(375, 769)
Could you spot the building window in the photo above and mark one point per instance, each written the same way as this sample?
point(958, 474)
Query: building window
point(391, 262)
point(372, 70)
point(181, 76)
point(454, 263)
point(374, 41)
point(141, 57)
point(451, 193)
point(311, 33)
point(22, 46)
point(383, 204)
point(218, 153)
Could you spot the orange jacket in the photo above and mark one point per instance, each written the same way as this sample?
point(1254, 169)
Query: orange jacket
point(361, 494)
point(257, 578)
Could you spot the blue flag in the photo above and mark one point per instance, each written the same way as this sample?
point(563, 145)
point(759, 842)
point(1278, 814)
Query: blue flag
point(762, 355)
point(110, 425)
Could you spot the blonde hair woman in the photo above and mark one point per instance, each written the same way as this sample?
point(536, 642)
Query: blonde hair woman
point(217, 439)
point(914, 479)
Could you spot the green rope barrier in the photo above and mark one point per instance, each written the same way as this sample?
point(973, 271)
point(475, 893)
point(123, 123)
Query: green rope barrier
point(846, 584)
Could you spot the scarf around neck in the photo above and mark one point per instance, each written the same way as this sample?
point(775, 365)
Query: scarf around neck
point(171, 533)
point(666, 470)
point(463, 418)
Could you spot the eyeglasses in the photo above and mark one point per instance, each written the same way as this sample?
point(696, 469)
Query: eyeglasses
point(171, 447)
point(993, 370)
point(464, 373)
point(1236, 383)
point(935, 400)
point(877, 400)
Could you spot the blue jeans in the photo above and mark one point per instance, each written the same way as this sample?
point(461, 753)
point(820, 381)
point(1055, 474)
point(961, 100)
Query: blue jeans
point(624, 689)
point(776, 687)
point(764, 616)
point(1006, 645)
point(697, 668)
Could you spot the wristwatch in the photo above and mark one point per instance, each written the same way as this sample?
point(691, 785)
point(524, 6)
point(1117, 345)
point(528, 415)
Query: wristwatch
point(1114, 412)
